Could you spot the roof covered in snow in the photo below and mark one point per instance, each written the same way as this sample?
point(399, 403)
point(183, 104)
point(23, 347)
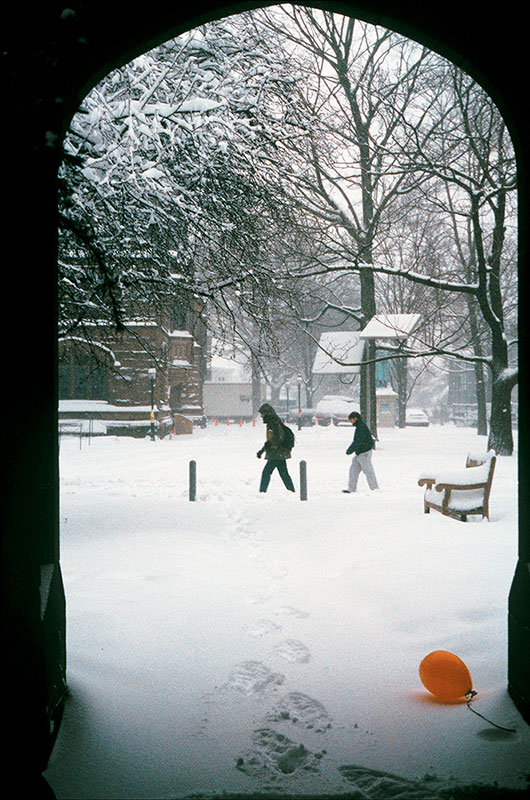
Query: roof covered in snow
point(390, 326)
point(339, 353)
point(227, 370)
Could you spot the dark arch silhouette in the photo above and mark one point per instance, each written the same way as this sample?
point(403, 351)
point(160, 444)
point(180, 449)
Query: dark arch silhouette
point(52, 55)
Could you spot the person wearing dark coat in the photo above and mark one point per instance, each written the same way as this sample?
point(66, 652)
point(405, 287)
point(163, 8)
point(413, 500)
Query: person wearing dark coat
point(361, 446)
point(276, 449)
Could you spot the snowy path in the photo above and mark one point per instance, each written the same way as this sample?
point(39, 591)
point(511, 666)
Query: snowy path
point(244, 643)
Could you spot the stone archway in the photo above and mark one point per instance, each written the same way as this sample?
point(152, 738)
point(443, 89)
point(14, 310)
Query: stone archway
point(52, 56)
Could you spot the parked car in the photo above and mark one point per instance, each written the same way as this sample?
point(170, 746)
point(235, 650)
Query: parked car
point(335, 408)
point(417, 418)
point(307, 417)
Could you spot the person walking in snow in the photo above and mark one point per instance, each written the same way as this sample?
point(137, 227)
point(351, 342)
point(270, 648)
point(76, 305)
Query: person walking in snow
point(276, 448)
point(361, 446)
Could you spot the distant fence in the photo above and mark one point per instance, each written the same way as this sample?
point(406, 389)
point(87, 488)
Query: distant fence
point(83, 428)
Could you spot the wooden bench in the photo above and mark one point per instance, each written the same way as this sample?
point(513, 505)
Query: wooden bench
point(459, 493)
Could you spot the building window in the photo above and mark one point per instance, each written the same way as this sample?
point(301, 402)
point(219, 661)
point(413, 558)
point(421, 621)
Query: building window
point(179, 316)
point(382, 372)
point(82, 379)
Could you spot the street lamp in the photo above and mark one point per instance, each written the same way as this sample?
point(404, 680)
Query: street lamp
point(287, 387)
point(152, 375)
point(299, 379)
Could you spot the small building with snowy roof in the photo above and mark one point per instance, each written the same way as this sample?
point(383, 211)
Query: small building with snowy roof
point(339, 353)
point(338, 360)
point(391, 326)
point(337, 363)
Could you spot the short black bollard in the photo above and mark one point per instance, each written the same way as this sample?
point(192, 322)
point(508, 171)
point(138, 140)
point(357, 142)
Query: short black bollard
point(303, 480)
point(193, 480)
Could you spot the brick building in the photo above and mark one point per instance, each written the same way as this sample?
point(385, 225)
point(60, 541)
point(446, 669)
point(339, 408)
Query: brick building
point(117, 368)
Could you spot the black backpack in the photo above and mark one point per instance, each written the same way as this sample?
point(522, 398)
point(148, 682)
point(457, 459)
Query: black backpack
point(288, 436)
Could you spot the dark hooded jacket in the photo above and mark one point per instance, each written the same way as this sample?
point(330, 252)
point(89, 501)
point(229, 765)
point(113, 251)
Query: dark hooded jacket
point(275, 446)
point(363, 439)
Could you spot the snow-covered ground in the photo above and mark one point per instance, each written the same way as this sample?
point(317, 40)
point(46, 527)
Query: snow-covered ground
point(246, 643)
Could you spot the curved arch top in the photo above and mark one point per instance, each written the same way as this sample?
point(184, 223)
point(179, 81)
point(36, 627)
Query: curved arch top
point(76, 46)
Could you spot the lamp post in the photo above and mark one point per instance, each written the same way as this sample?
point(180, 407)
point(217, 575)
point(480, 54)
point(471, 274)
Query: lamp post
point(287, 387)
point(152, 375)
point(299, 379)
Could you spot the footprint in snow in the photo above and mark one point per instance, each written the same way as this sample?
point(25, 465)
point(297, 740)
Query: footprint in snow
point(289, 611)
point(260, 598)
point(262, 627)
point(294, 651)
point(303, 711)
point(273, 755)
point(374, 784)
point(254, 677)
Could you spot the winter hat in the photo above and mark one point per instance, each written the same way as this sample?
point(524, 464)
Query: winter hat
point(266, 408)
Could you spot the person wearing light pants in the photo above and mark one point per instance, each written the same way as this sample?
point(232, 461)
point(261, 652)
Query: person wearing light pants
point(362, 446)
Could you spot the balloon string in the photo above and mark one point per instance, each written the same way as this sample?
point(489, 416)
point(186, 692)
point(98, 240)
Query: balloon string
point(471, 694)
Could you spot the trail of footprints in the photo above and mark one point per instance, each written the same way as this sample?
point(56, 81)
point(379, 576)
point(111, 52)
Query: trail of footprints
point(278, 747)
point(291, 737)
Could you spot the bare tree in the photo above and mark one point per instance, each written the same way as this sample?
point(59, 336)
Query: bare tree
point(378, 119)
point(340, 154)
point(229, 141)
point(470, 164)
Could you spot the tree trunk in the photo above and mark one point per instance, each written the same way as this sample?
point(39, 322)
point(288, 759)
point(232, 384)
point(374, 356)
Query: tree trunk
point(368, 394)
point(482, 414)
point(372, 418)
point(490, 301)
point(399, 371)
point(275, 395)
point(256, 385)
point(309, 393)
point(480, 388)
point(500, 435)
point(363, 390)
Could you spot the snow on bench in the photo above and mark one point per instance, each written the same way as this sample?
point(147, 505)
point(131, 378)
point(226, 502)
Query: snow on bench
point(461, 492)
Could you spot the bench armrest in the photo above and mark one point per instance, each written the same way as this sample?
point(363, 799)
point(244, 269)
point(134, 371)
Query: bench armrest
point(461, 487)
point(427, 481)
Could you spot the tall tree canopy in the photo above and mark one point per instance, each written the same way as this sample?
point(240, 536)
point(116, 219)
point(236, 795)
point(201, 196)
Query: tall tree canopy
point(198, 169)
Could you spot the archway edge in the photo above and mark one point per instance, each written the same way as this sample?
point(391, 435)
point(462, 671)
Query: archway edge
point(52, 54)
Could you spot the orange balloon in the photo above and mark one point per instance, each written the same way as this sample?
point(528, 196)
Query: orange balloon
point(445, 675)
